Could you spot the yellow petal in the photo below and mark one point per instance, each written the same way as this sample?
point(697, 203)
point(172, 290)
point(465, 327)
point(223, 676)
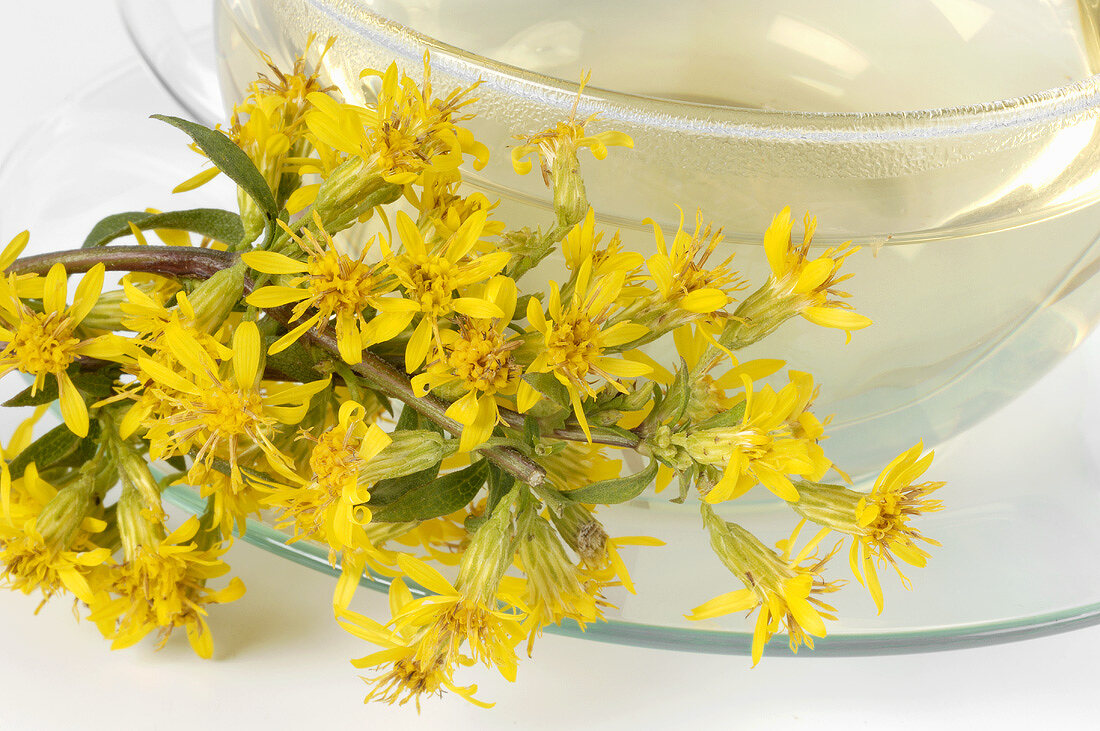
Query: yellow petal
point(836, 318)
point(197, 180)
point(73, 409)
point(274, 296)
point(14, 248)
point(270, 262)
point(246, 354)
point(475, 307)
point(704, 300)
point(53, 294)
point(777, 242)
point(813, 275)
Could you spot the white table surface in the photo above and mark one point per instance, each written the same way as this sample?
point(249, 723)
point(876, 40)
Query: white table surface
point(280, 661)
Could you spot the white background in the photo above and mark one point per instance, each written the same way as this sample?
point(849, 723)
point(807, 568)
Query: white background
point(281, 662)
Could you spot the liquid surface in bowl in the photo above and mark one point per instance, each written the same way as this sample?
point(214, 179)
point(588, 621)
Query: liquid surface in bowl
point(804, 55)
point(980, 227)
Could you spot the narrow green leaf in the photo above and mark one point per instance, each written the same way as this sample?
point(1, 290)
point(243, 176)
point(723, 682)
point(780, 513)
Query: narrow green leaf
point(215, 223)
point(531, 431)
point(439, 497)
point(230, 159)
point(726, 418)
point(616, 490)
point(500, 484)
point(389, 490)
point(95, 383)
point(49, 449)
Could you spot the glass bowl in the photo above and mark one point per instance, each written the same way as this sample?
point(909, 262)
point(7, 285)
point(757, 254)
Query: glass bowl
point(1019, 533)
point(980, 220)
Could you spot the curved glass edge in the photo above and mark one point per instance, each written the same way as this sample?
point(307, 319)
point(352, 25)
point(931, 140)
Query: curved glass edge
point(710, 642)
point(1071, 98)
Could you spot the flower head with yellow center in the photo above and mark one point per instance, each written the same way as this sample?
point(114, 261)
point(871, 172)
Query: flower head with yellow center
point(583, 243)
point(330, 284)
point(478, 359)
point(685, 283)
point(564, 140)
point(783, 587)
point(150, 319)
point(456, 624)
point(222, 408)
point(161, 584)
point(404, 133)
point(330, 504)
point(761, 448)
point(884, 516)
point(809, 286)
point(577, 339)
point(434, 279)
point(48, 548)
point(44, 343)
point(879, 521)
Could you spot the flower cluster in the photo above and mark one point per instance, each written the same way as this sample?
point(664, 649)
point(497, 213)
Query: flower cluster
point(410, 398)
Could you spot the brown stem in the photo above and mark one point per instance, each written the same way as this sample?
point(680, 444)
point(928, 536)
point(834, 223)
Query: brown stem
point(173, 261)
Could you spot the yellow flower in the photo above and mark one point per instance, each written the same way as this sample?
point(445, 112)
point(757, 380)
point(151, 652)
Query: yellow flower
point(219, 415)
point(330, 505)
point(46, 343)
point(405, 133)
point(440, 203)
point(761, 449)
point(49, 550)
point(269, 123)
point(554, 589)
point(478, 358)
point(884, 516)
point(431, 279)
point(783, 587)
point(413, 668)
point(879, 521)
point(564, 139)
point(599, 552)
point(161, 586)
point(431, 637)
point(682, 276)
point(576, 338)
point(810, 285)
point(149, 319)
point(709, 395)
point(331, 284)
point(583, 243)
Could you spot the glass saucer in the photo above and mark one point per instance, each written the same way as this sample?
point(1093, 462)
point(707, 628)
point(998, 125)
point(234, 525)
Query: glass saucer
point(1019, 534)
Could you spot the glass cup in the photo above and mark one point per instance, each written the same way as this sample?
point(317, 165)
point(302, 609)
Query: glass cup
point(978, 220)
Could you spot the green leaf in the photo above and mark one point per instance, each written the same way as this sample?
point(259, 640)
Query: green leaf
point(96, 383)
point(49, 449)
point(294, 362)
point(178, 463)
point(726, 418)
point(500, 484)
point(616, 490)
point(215, 223)
point(550, 387)
point(531, 431)
point(230, 159)
point(439, 497)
